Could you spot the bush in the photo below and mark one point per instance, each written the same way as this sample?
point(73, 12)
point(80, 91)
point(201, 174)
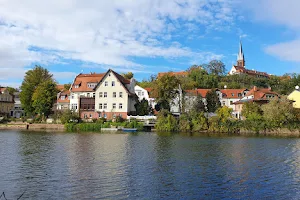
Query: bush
point(84, 127)
point(68, 116)
point(166, 122)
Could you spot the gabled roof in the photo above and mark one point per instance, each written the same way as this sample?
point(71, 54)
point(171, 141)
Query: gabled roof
point(122, 80)
point(2, 89)
point(259, 95)
point(182, 73)
point(250, 72)
point(83, 79)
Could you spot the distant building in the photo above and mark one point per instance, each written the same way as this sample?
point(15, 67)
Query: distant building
point(63, 98)
point(145, 93)
point(17, 111)
point(295, 97)
point(240, 68)
point(6, 102)
point(257, 95)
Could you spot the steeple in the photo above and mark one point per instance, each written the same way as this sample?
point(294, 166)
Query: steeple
point(240, 57)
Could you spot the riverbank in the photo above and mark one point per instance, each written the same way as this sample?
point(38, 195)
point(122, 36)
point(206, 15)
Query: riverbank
point(27, 126)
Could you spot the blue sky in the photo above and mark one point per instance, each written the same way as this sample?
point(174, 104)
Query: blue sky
point(145, 36)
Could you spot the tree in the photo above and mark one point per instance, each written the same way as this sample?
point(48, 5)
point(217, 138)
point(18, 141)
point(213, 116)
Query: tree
point(67, 86)
point(251, 108)
point(44, 97)
point(215, 67)
point(12, 90)
point(224, 113)
point(32, 80)
point(198, 105)
point(201, 78)
point(142, 107)
point(128, 75)
point(165, 88)
point(279, 112)
point(212, 100)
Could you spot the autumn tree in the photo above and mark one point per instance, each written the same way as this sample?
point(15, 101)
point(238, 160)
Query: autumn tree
point(67, 86)
point(215, 67)
point(33, 78)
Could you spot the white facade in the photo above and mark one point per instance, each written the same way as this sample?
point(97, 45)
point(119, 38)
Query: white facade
point(17, 111)
point(143, 94)
point(74, 98)
point(113, 96)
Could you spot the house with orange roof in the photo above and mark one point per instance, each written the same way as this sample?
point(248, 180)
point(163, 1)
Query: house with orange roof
point(229, 96)
point(257, 95)
point(63, 98)
point(240, 68)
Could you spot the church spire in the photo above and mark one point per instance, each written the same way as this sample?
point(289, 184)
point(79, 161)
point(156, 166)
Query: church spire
point(240, 57)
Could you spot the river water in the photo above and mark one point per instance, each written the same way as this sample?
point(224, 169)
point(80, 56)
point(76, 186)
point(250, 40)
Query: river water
point(147, 166)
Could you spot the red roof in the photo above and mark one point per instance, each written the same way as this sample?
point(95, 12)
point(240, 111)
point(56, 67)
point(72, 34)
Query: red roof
point(202, 92)
point(259, 95)
point(251, 72)
point(82, 81)
point(2, 89)
point(232, 93)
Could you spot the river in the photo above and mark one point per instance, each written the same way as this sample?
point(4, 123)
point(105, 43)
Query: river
point(147, 166)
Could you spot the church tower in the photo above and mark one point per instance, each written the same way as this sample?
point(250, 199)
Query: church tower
point(240, 57)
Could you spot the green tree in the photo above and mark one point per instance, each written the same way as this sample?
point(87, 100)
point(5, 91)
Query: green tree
point(201, 78)
point(279, 112)
point(67, 86)
point(32, 80)
point(44, 97)
point(198, 105)
point(142, 107)
point(250, 108)
point(215, 67)
point(212, 101)
point(165, 88)
point(12, 90)
point(128, 75)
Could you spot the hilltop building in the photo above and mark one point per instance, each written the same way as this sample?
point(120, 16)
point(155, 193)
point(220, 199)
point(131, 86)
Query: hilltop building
point(240, 67)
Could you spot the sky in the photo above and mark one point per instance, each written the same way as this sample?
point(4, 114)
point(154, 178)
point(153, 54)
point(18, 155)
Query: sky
point(145, 36)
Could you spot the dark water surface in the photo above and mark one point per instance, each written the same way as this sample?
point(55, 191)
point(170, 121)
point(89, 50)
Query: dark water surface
point(147, 166)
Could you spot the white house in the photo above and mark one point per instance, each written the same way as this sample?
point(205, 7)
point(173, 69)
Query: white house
point(114, 96)
point(144, 93)
point(83, 86)
point(17, 111)
point(63, 98)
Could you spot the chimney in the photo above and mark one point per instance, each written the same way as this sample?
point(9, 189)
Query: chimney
point(254, 88)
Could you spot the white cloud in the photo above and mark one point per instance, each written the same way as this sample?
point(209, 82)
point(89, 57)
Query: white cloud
point(284, 13)
point(103, 32)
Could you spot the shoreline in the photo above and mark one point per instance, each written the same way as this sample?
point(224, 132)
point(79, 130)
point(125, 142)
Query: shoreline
point(284, 132)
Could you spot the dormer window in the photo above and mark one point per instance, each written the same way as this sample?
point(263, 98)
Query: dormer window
point(232, 94)
point(62, 97)
point(91, 85)
point(76, 86)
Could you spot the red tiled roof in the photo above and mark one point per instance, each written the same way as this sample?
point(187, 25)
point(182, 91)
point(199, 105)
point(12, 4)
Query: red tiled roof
point(2, 89)
point(182, 73)
point(251, 72)
point(202, 92)
point(259, 95)
point(60, 87)
point(148, 89)
point(232, 93)
point(83, 79)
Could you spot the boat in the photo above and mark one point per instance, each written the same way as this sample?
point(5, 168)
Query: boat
point(129, 129)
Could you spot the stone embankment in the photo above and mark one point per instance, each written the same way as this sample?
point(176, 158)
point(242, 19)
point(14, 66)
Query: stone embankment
point(28, 126)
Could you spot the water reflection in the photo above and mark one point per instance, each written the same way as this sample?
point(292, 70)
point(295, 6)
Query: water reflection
point(147, 166)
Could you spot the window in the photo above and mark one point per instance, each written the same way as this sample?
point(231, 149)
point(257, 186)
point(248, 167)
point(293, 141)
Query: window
point(104, 116)
point(105, 94)
point(114, 105)
point(231, 102)
point(139, 93)
point(88, 94)
point(94, 95)
point(85, 116)
point(100, 106)
point(74, 106)
point(120, 105)
point(239, 94)
point(72, 96)
point(223, 103)
point(76, 86)
point(90, 115)
point(105, 106)
point(105, 83)
point(142, 93)
point(232, 94)
point(121, 94)
point(62, 97)
point(120, 115)
point(100, 115)
point(100, 94)
point(114, 94)
point(112, 83)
